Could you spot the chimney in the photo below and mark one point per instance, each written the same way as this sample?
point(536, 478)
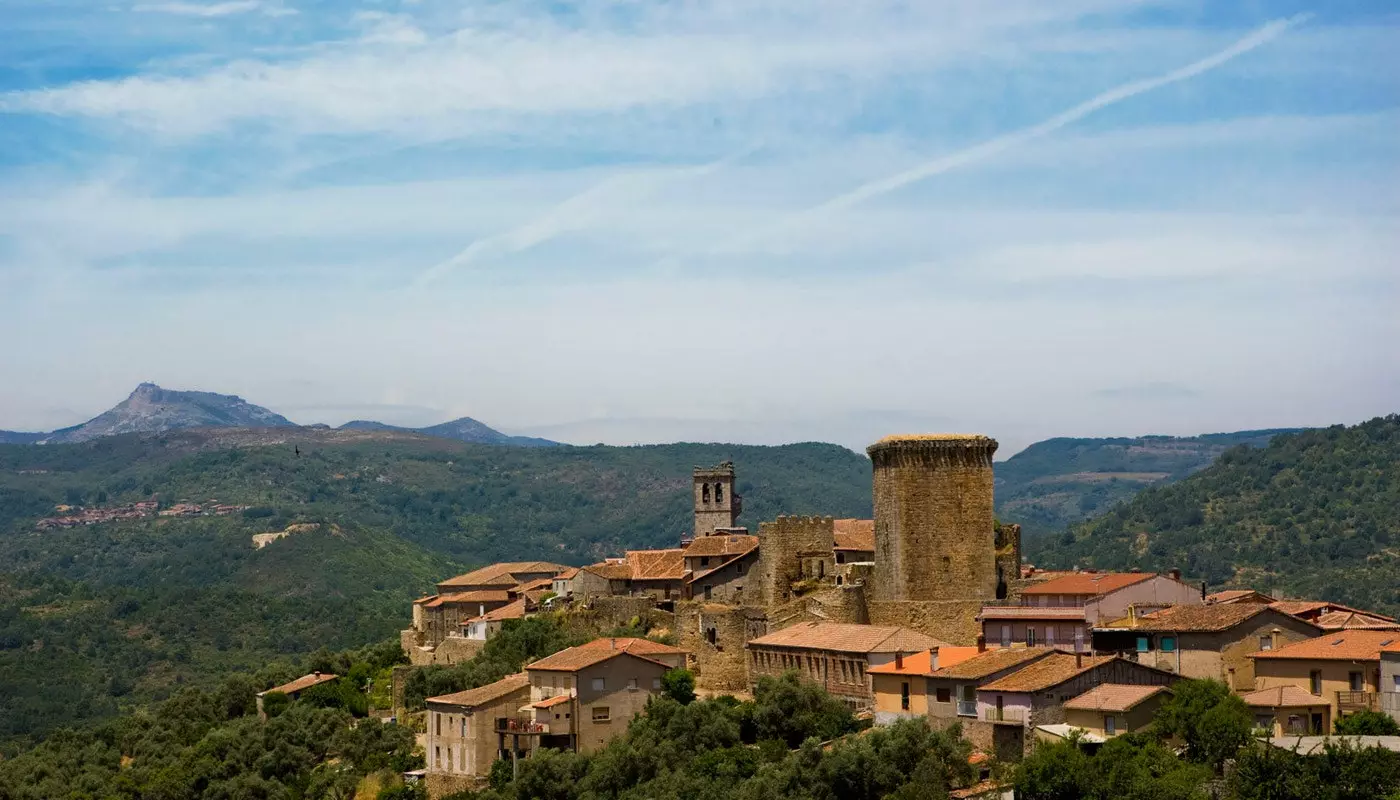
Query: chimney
point(1203, 591)
point(899, 659)
point(1078, 660)
point(1132, 615)
point(1174, 574)
point(614, 643)
point(316, 673)
point(932, 659)
point(981, 643)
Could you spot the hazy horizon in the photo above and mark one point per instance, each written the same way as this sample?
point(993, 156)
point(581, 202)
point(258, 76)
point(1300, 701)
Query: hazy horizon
point(630, 222)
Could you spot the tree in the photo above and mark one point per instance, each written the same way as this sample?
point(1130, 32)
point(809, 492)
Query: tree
point(793, 710)
point(679, 685)
point(1055, 771)
point(1368, 723)
point(1212, 721)
point(274, 703)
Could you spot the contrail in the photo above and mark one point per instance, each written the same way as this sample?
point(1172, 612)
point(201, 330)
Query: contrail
point(993, 146)
point(572, 213)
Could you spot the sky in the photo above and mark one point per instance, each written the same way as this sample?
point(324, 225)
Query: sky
point(758, 221)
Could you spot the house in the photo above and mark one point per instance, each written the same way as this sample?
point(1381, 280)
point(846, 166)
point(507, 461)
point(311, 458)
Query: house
point(1286, 710)
point(1110, 709)
point(487, 625)
point(1349, 620)
point(853, 543)
point(293, 689)
point(462, 741)
point(1238, 596)
point(902, 688)
point(443, 615)
point(835, 656)
point(605, 579)
point(718, 566)
point(1036, 693)
point(1390, 682)
point(952, 689)
point(563, 583)
point(1342, 669)
point(1060, 612)
point(501, 576)
point(1210, 641)
point(583, 696)
point(659, 573)
point(1318, 610)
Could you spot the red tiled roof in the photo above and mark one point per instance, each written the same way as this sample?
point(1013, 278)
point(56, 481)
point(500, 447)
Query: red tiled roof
point(1237, 595)
point(1113, 697)
point(484, 694)
point(1339, 646)
point(1031, 612)
point(721, 545)
point(1286, 696)
point(1355, 620)
point(550, 702)
point(918, 663)
point(695, 576)
point(656, 565)
point(992, 662)
point(476, 596)
point(304, 682)
point(1302, 607)
point(1204, 619)
point(609, 570)
point(847, 638)
point(567, 574)
point(1045, 673)
point(635, 646)
point(514, 610)
point(583, 657)
point(1094, 583)
point(502, 574)
point(854, 534)
point(538, 583)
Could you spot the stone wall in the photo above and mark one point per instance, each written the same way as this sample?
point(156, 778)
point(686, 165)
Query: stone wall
point(951, 621)
point(441, 784)
point(836, 604)
point(1005, 742)
point(780, 542)
point(600, 614)
point(452, 650)
point(715, 635)
point(1008, 559)
point(713, 512)
point(934, 525)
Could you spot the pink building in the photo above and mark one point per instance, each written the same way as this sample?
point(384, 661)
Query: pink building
point(1060, 612)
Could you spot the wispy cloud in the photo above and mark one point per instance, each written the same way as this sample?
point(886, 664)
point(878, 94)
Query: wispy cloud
point(214, 9)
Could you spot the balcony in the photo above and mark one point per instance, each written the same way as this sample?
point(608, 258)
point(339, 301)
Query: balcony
point(1011, 716)
point(522, 726)
point(967, 708)
point(1358, 701)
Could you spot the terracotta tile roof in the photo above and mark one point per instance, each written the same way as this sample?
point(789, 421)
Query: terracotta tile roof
point(918, 663)
point(635, 646)
point(1319, 607)
point(854, 534)
point(1286, 696)
point(502, 574)
point(567, 574)
point(514, 610)
point(1094, 583)
point(552, 701)
point(304, 682)
point(1355, 620)
point(1045, 673)
point(847, 638)
point(1204, 619)
point(721, 545)
point(476, 596)
point(1113, 697)
point(586, 655)
point(695, 576)
point(485, 694)
point(1236, 595)
point(1339, 646)
point(992, 662)
point(610, 570)
point(530, 586)
point(1031, 612)
point(656, 565)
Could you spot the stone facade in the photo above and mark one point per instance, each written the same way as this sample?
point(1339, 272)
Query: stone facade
point(951, 621)
point(934, 525)
point(1007, 539)
point(717, 505)
point(714, 634)
point(781, 545)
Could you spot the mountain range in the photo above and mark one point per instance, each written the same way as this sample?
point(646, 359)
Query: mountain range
point(152, 409)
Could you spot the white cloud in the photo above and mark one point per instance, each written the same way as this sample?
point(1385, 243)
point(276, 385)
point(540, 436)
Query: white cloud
point(214, 9)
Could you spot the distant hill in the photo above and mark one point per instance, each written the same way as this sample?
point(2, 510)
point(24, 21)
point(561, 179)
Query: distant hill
point(99, 617)
point(1314, 514)
point(465, 429)
point(152, 409)
point(1057, 482)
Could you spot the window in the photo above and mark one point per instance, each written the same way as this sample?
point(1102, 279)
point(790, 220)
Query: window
point(1265, 722)
point(904, 696)
point(705, 492)
point(1397, 683)
point(1110, 724)
point(719, 493)
point(1030, 636)
point(704, 561)
point(947, 565)
point(1168, 644)
point(437, 756)
point(1315, 681)
point(656, 683)
point(599, 684)
point(1144, 643)
point(840, 558)
point(602, 714)
point(1006, 636)
point(437, 722)
point(944, 695)
point(1050, 635)
point(632, 684)
point(1266, 642)
point(740, 568)
point(709, 591)
point(1354, 681)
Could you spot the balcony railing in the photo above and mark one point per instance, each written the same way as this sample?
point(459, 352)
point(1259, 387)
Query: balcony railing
point(521, 725)
point(1358, 701)
point(1015, 715)
point(967, 708)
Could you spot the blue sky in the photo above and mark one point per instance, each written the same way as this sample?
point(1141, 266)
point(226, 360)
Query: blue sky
point(745, 220)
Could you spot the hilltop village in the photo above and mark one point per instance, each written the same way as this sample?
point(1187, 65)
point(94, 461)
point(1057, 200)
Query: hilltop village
point(924, 611)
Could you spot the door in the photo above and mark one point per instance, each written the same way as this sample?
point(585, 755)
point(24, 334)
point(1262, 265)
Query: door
point(1317, 723)
point(1000, 709)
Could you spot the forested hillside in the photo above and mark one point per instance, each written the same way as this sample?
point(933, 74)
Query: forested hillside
point(1055, 483)
point(97, 617)
point(1314, 514)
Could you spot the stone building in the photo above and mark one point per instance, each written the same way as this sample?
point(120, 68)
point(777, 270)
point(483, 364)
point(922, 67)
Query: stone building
point(1060, 612)
point(1036, 694)
point(293, 689)
point(1341, 669)
point(1286, 710)
point(717, 505)
point(1213, 641)
point(720, 566)
point(462, 742)
point(1110, 709)
point(835, 656)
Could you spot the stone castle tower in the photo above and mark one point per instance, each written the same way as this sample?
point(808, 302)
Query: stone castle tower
point(934, 525)
point(717, 505)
